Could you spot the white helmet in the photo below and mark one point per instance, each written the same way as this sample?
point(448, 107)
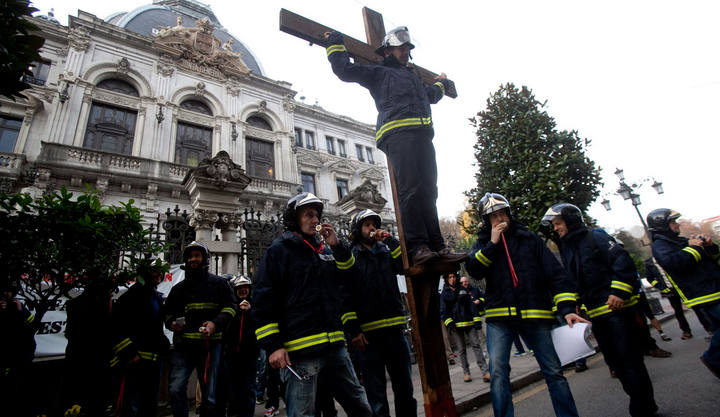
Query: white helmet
point(239, 281)
point(396, 37)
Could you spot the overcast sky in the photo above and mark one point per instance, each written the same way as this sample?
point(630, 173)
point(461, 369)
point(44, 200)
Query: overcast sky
point(640, 79)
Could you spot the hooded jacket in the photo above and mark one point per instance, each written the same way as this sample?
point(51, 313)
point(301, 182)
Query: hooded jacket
point(402, 100)
point(542, 282)
point(299, 298)
point(457, 307)
point(600, 267)
point(692, 270)
point(200, 297)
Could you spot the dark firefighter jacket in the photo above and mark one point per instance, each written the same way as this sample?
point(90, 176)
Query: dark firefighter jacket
point(542, 282)
point(457, 307)
point(200, 297)
point(88, 329)
point(375, 294)
point(298, 296)
point(240, 335)
point(600, 267)
point(658, 278)
point(18, 346)
point(138, 326)
point(693, 270)
point(402, 100)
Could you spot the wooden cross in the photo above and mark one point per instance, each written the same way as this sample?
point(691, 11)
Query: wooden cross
point(422, 284)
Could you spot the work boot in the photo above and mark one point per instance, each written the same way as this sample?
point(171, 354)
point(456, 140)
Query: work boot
point(660, 353)
point(486, 377)
point(467, 377)
point(423, 255)
point(447, 255)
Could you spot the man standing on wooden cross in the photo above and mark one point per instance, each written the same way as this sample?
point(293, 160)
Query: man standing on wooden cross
point(404, 134)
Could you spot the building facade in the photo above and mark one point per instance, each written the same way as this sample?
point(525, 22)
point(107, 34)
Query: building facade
point(128, 105)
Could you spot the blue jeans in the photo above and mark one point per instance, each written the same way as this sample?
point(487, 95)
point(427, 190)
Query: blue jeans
point(182, 362)
point(388, 349)
point(536, 334)
point(261, 376)
point(712, 315)
point(336, 366)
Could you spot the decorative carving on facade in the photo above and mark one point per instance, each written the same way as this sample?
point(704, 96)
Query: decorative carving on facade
point(221, 170)
point(200, 89)
point(199, 50)
point(116, 99)
point(262, 107)
point(203, 219)
point(184, 115)
point(79, 38)
point(176, 193)
point(101, 184)
point(233, 86)
point(312, 160)
point(152, 191)
point(75, 181)
point(165, 65)
point(367, 193)
point(124, 187)
point(289, 103)
point(229, 221)
point(123, 66)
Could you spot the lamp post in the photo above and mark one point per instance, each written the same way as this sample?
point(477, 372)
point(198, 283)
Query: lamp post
point(630, 192)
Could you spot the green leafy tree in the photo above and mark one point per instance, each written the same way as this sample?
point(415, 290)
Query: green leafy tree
point(18, 47)
point(56, 244)
point(521, 155)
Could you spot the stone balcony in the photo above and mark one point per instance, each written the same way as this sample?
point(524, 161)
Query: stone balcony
point(11, 164)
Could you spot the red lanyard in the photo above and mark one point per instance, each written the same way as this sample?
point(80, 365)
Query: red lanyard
point(512, 268)
point(318, 250)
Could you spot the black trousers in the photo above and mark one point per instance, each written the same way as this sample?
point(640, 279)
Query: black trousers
point(412, 156)
point(676, 304)
point(621, 345)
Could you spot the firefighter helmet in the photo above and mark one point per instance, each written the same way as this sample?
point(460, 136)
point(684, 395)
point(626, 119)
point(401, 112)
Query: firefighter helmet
point(570, 213)
point(359, 219)
point(290, 220)
point(198, 246)
point(239, 281)
point(658, 220)
point(396, 37)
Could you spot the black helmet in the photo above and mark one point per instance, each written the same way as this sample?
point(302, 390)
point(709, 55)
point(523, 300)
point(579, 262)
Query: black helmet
point(290, 221)
point(570, 213)
point(200, 246)
point(359, 219)
point(659, 219)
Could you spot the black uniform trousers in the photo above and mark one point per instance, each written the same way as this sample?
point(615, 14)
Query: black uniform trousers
point(622, 347)
point(412, 156)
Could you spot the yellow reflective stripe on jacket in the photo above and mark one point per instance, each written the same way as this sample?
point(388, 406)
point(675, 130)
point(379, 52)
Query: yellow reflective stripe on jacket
point(346, 264)
point(537, 314)
point(604, 309)
point(448, 321)
point(229, 310)
point(702, 300)
point(693, 252)
point(397, 252)
point(500, 312)
point(619, 285)
point(350, 315)
point(30, 319)
point(482, 258)
point(114, 361)
point(148, 355)
point(654, 283)
point(201, 306)
point(477, 319)
point(122, 345)
point(564, 296)
point(379, 324)
point(200, 336)
point(464, 324)
point(335, 48)
point(412, 121)
point(267, 330)
point(316, 339)
point(442, 87)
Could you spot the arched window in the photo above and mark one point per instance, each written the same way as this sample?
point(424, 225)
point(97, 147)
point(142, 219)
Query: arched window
point(196, 106)
point(259, 122)
point(118, 86)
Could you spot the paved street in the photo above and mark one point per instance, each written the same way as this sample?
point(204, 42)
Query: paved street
point(683, 386)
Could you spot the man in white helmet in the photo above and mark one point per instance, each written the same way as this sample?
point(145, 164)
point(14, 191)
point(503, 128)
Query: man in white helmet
point(404, 133)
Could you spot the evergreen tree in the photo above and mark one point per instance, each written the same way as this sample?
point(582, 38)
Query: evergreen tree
point(521, 155)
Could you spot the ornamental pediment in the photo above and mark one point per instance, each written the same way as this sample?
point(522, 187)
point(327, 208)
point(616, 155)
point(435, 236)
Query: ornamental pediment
point(342, 166)
point(311, 160)
point(372, 174)
point(198, 50)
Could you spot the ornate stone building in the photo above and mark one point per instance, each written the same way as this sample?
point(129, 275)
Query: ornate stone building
point(130, 103)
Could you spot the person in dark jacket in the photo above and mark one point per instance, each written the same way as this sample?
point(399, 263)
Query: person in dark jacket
point(197, 310)
point(523, 282)
point(88, 376)
point(377, 333)
point(299, 305)
point(16, 353)
point(692, 268)
point(459, 312)
point(607, 284)
point(139, 341)
point(240, 355)
point(658, 279)
point(404, 133)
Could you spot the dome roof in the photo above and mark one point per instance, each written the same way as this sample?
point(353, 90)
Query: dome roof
point(146, 20)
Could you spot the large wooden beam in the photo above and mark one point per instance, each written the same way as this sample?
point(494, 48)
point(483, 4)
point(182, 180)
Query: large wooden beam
point(311, 31)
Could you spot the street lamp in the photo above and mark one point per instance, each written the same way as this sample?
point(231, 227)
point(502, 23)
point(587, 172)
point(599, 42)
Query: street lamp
point(630, 192)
